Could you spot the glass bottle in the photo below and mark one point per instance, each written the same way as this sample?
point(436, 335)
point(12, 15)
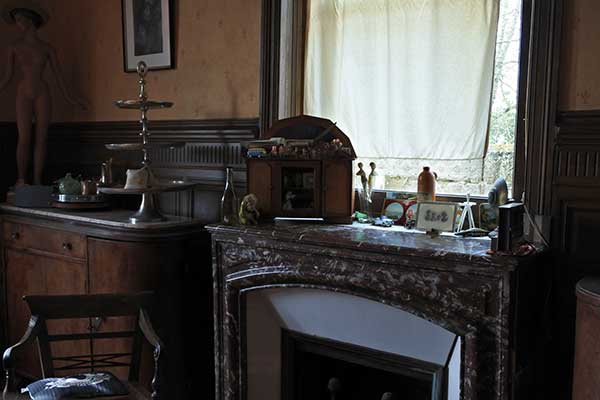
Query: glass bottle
point(229, 202)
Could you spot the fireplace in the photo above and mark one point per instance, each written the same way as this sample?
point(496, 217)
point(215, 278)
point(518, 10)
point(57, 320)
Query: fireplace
point(378, 295)
point(297, 340)
point(318, 368)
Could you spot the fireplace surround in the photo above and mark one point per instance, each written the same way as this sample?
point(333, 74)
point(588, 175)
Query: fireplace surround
point(493, 303)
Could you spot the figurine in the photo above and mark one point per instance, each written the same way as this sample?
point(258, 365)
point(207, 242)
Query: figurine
point(248, 214)
point(363, 176)
point(371, 179)
point(288, 205)
point(30, 55)
point(363, 195)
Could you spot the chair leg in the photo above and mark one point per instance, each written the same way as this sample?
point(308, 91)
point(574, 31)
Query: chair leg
point(9, 384)
point(155, 378)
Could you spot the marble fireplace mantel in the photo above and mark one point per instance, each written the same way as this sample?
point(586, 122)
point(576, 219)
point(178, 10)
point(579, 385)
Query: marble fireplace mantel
point(490, 301)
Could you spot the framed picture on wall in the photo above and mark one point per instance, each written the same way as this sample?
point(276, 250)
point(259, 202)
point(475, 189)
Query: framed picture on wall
point(147, 34)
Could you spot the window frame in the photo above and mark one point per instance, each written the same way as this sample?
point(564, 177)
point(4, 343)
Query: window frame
point(537, 90)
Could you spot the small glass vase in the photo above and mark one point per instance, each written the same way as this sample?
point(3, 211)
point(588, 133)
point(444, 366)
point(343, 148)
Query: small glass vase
point(229, 201)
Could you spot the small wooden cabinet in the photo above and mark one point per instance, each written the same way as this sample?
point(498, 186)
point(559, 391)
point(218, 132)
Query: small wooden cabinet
point(310, 175)
point(60, 253)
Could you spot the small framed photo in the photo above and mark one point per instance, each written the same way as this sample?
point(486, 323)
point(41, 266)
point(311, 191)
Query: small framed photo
point(393, 209)
point(147, 34)
point(436, 216)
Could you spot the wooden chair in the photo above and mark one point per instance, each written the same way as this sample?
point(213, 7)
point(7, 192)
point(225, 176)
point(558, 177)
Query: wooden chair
point(45, 308)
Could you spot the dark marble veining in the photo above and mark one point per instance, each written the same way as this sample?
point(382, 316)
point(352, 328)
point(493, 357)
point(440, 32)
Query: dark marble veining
point(449, 281)
point(395, 240)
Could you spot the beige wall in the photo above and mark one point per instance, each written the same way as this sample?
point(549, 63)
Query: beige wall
point(580, 58)
point(216, 43)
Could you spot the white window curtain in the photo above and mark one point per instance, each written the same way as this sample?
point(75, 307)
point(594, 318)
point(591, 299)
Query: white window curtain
point(408, 79)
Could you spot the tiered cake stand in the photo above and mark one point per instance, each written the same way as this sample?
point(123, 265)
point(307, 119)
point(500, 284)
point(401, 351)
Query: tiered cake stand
point(148, 211)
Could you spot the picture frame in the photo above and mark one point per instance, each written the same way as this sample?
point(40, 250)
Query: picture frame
point(147, 34)
point(393, 209)
point(436, 216)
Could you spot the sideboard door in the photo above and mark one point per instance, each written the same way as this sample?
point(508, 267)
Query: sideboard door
point(34, 274)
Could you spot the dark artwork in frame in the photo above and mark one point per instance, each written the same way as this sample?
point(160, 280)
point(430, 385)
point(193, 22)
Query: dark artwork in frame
point(147, 34)
point(147, 27)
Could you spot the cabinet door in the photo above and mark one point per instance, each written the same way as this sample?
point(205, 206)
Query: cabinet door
point(123, 267)
point(338, 191)
point(33, 274)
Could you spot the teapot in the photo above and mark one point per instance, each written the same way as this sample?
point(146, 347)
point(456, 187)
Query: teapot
point(69, 185)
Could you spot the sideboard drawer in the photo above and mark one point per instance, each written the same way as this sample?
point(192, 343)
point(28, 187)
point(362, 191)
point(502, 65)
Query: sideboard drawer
point(50, 240)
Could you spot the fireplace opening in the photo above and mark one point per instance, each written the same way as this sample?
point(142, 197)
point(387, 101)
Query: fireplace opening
point(315, 368)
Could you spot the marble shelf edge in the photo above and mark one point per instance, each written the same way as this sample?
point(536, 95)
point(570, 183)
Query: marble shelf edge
point(380, 241)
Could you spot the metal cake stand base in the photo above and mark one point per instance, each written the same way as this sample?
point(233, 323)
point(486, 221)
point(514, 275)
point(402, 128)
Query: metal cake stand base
point(148, 212)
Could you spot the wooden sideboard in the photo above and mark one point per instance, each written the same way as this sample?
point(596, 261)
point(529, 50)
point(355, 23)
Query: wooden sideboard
point(55, 252)
point(496, 304)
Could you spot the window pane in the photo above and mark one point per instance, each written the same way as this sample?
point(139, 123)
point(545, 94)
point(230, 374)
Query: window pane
point(408, 83)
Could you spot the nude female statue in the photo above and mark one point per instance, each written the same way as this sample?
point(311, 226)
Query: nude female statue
point(30, 55)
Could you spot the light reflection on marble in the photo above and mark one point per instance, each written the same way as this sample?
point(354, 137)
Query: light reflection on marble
point(112, 218)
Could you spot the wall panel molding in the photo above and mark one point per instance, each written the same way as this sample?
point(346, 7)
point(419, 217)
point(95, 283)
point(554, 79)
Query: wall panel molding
point(578, 161)
point(211, 146)
point(582, 127)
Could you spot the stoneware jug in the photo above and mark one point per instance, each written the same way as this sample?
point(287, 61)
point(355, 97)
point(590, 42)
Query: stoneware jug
point(426, 185)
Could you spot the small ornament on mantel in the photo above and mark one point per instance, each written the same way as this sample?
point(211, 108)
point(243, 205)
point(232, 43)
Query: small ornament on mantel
point(426, 185)
point(371, 181)
point(363, 191)
point(249, 214)
point(229, 201)
point(466, 215)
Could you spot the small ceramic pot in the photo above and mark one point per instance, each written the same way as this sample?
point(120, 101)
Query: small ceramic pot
point(69, 185)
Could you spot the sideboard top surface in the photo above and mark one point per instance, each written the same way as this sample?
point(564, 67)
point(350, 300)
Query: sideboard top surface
point(104, 222)
point(390, 241)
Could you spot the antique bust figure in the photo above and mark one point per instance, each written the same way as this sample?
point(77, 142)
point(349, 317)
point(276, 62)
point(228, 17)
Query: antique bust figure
point(30, 55)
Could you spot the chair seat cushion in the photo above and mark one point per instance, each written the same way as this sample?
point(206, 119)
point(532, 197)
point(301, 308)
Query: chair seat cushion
point(98, 384)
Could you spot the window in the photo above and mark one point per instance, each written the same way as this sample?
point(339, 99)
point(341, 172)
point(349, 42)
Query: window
point(475, 103)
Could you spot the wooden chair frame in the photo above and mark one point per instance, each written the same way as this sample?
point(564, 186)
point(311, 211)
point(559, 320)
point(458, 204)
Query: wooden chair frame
point(45, 308)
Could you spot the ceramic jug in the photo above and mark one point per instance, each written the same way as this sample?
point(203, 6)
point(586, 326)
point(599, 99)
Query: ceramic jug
point(426, 185)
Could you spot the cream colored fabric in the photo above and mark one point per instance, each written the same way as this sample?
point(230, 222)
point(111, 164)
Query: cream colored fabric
point(405, 79)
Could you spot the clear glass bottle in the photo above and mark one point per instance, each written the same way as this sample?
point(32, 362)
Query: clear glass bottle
point(229, 201)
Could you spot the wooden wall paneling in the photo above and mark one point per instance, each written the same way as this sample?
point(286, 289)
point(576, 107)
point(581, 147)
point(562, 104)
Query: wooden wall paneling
point(269, 63)
point(576, 211)
point(212, 145)
point(542, 99)
point(8, 166)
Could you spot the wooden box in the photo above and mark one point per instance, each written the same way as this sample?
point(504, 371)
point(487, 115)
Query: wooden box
point(303, 168)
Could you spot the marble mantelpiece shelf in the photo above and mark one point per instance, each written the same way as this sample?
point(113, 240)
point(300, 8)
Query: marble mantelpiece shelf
point(107, 218)
point(390, 241)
